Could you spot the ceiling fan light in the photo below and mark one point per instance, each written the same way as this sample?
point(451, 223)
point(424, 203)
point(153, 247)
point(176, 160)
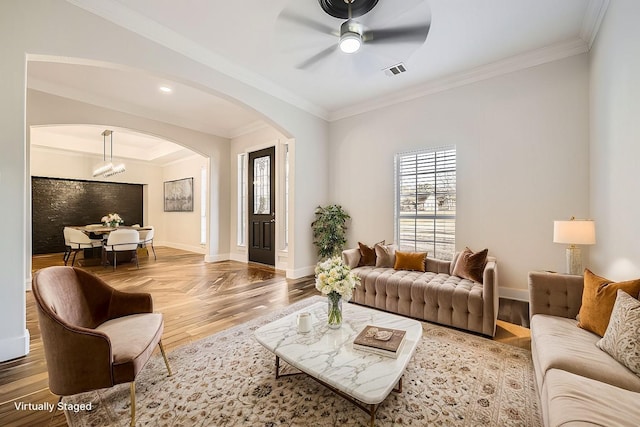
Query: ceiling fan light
point(350, 42)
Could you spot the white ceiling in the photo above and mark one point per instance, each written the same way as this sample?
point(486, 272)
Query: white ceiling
point(468, 40)
point(126, 144)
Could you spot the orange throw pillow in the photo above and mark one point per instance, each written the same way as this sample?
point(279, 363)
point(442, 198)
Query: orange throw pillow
point(410, 261)
point(598, 297)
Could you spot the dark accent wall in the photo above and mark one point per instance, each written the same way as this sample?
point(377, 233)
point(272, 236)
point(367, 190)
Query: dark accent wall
point(57, 203)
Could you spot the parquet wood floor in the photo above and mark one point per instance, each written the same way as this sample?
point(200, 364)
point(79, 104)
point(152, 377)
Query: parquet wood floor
point(197, 299)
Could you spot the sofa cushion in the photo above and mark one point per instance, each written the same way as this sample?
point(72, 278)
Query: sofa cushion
point(572, 400)
point(470, 265)
point(132, 338)
point(622, 338)
point(413, 261)
point(598, 298)
point(385, 255)
point(557, 343)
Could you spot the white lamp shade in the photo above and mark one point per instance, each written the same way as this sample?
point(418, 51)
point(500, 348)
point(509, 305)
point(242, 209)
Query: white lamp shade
point(574, 232)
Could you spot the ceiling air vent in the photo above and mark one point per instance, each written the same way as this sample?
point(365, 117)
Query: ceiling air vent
point(394, 70)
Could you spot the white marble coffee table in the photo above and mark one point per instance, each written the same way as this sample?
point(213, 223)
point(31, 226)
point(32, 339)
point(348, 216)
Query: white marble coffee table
point(327, 355)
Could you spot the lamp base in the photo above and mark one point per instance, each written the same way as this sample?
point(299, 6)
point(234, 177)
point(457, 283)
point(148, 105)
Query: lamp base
point(573, 256)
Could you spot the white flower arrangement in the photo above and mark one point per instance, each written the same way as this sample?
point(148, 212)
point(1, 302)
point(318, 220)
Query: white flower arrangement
point(112, 219)
point(333, 275)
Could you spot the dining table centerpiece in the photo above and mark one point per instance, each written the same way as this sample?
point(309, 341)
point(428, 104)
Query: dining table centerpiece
point(335, 280)
point(112, 220)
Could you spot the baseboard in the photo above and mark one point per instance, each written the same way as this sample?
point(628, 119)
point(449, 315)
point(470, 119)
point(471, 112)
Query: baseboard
point(190, 248)
point(513, 293)
point(216, 258)
point(10, 348)
point(238, 257)
point(301, 272)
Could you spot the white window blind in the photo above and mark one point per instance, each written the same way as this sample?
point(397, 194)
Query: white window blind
point(426, 201)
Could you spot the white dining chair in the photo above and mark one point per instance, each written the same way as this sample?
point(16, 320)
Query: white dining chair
point(76, 241)
point(121, 240)
point(146, 237)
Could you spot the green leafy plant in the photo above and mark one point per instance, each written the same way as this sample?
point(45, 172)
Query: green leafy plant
point(329, 230)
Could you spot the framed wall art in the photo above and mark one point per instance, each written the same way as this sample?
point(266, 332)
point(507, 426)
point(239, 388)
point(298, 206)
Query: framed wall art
point(178, 195)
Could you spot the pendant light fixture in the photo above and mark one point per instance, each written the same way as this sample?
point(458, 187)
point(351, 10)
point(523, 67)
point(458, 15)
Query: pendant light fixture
point(108, 168)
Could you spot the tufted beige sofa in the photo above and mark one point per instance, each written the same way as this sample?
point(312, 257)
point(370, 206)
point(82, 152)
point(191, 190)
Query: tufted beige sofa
point(434, 295)
point(578, 384)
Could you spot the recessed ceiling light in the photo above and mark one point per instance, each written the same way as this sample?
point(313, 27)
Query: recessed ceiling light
point(165, 89)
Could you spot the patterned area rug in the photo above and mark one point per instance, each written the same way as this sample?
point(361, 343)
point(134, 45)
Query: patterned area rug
point(227, 379)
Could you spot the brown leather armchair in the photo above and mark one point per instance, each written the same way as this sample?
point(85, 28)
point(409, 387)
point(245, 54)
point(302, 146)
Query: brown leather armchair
point(94, 335)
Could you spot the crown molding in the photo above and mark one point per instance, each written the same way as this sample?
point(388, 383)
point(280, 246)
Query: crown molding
point(593, 17)
point(505, 66)
point(135, 22)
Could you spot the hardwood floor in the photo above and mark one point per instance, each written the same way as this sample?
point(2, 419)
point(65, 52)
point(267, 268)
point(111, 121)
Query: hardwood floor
point(197, 300)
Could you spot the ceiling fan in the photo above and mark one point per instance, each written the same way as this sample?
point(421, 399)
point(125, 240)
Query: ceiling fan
point(354, 33)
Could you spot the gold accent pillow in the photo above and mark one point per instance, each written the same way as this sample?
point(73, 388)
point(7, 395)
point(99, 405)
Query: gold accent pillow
point(598, 298)
point(621, 337)
point(470, 265)
point(410, 261)
point(367, 254)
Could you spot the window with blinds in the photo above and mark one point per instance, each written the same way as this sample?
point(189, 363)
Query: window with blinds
point(426, 201)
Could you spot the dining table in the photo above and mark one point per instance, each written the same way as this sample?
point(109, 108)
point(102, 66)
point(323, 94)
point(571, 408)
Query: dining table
point(100, 231)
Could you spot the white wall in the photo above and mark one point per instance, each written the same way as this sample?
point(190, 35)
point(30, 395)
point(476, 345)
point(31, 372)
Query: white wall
point(182, 229)
point(615, 142)
point(58, 30)
point(522, 147)
point(246, 143)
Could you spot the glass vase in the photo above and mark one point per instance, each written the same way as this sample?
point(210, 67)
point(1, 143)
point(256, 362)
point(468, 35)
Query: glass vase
point(334, 310)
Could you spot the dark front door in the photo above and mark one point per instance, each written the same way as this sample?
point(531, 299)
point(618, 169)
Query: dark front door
point(262, 206)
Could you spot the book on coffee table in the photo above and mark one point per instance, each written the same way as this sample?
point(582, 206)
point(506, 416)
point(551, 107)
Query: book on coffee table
point(380, 340)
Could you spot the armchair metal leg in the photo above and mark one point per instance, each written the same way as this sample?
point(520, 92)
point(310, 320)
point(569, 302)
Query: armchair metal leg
point(154, 251)
point(55, 410)
point(135, 255)
point(133, 403)
point(166, 361)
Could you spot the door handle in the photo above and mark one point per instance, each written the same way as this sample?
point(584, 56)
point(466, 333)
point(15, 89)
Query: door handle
point(273, 220)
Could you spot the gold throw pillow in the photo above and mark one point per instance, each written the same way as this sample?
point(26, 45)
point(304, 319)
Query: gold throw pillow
point(410, 261)
point(598, 297)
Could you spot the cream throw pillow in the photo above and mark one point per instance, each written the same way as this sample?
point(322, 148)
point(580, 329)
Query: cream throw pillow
point(622, 337)
point(385, 255)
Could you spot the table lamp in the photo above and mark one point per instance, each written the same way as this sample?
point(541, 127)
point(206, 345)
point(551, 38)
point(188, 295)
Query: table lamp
point(574, 232)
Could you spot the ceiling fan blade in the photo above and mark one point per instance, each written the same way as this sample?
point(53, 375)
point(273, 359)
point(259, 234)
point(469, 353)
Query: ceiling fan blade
point(317, 57)
point(307, 22)
point(416, 33)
